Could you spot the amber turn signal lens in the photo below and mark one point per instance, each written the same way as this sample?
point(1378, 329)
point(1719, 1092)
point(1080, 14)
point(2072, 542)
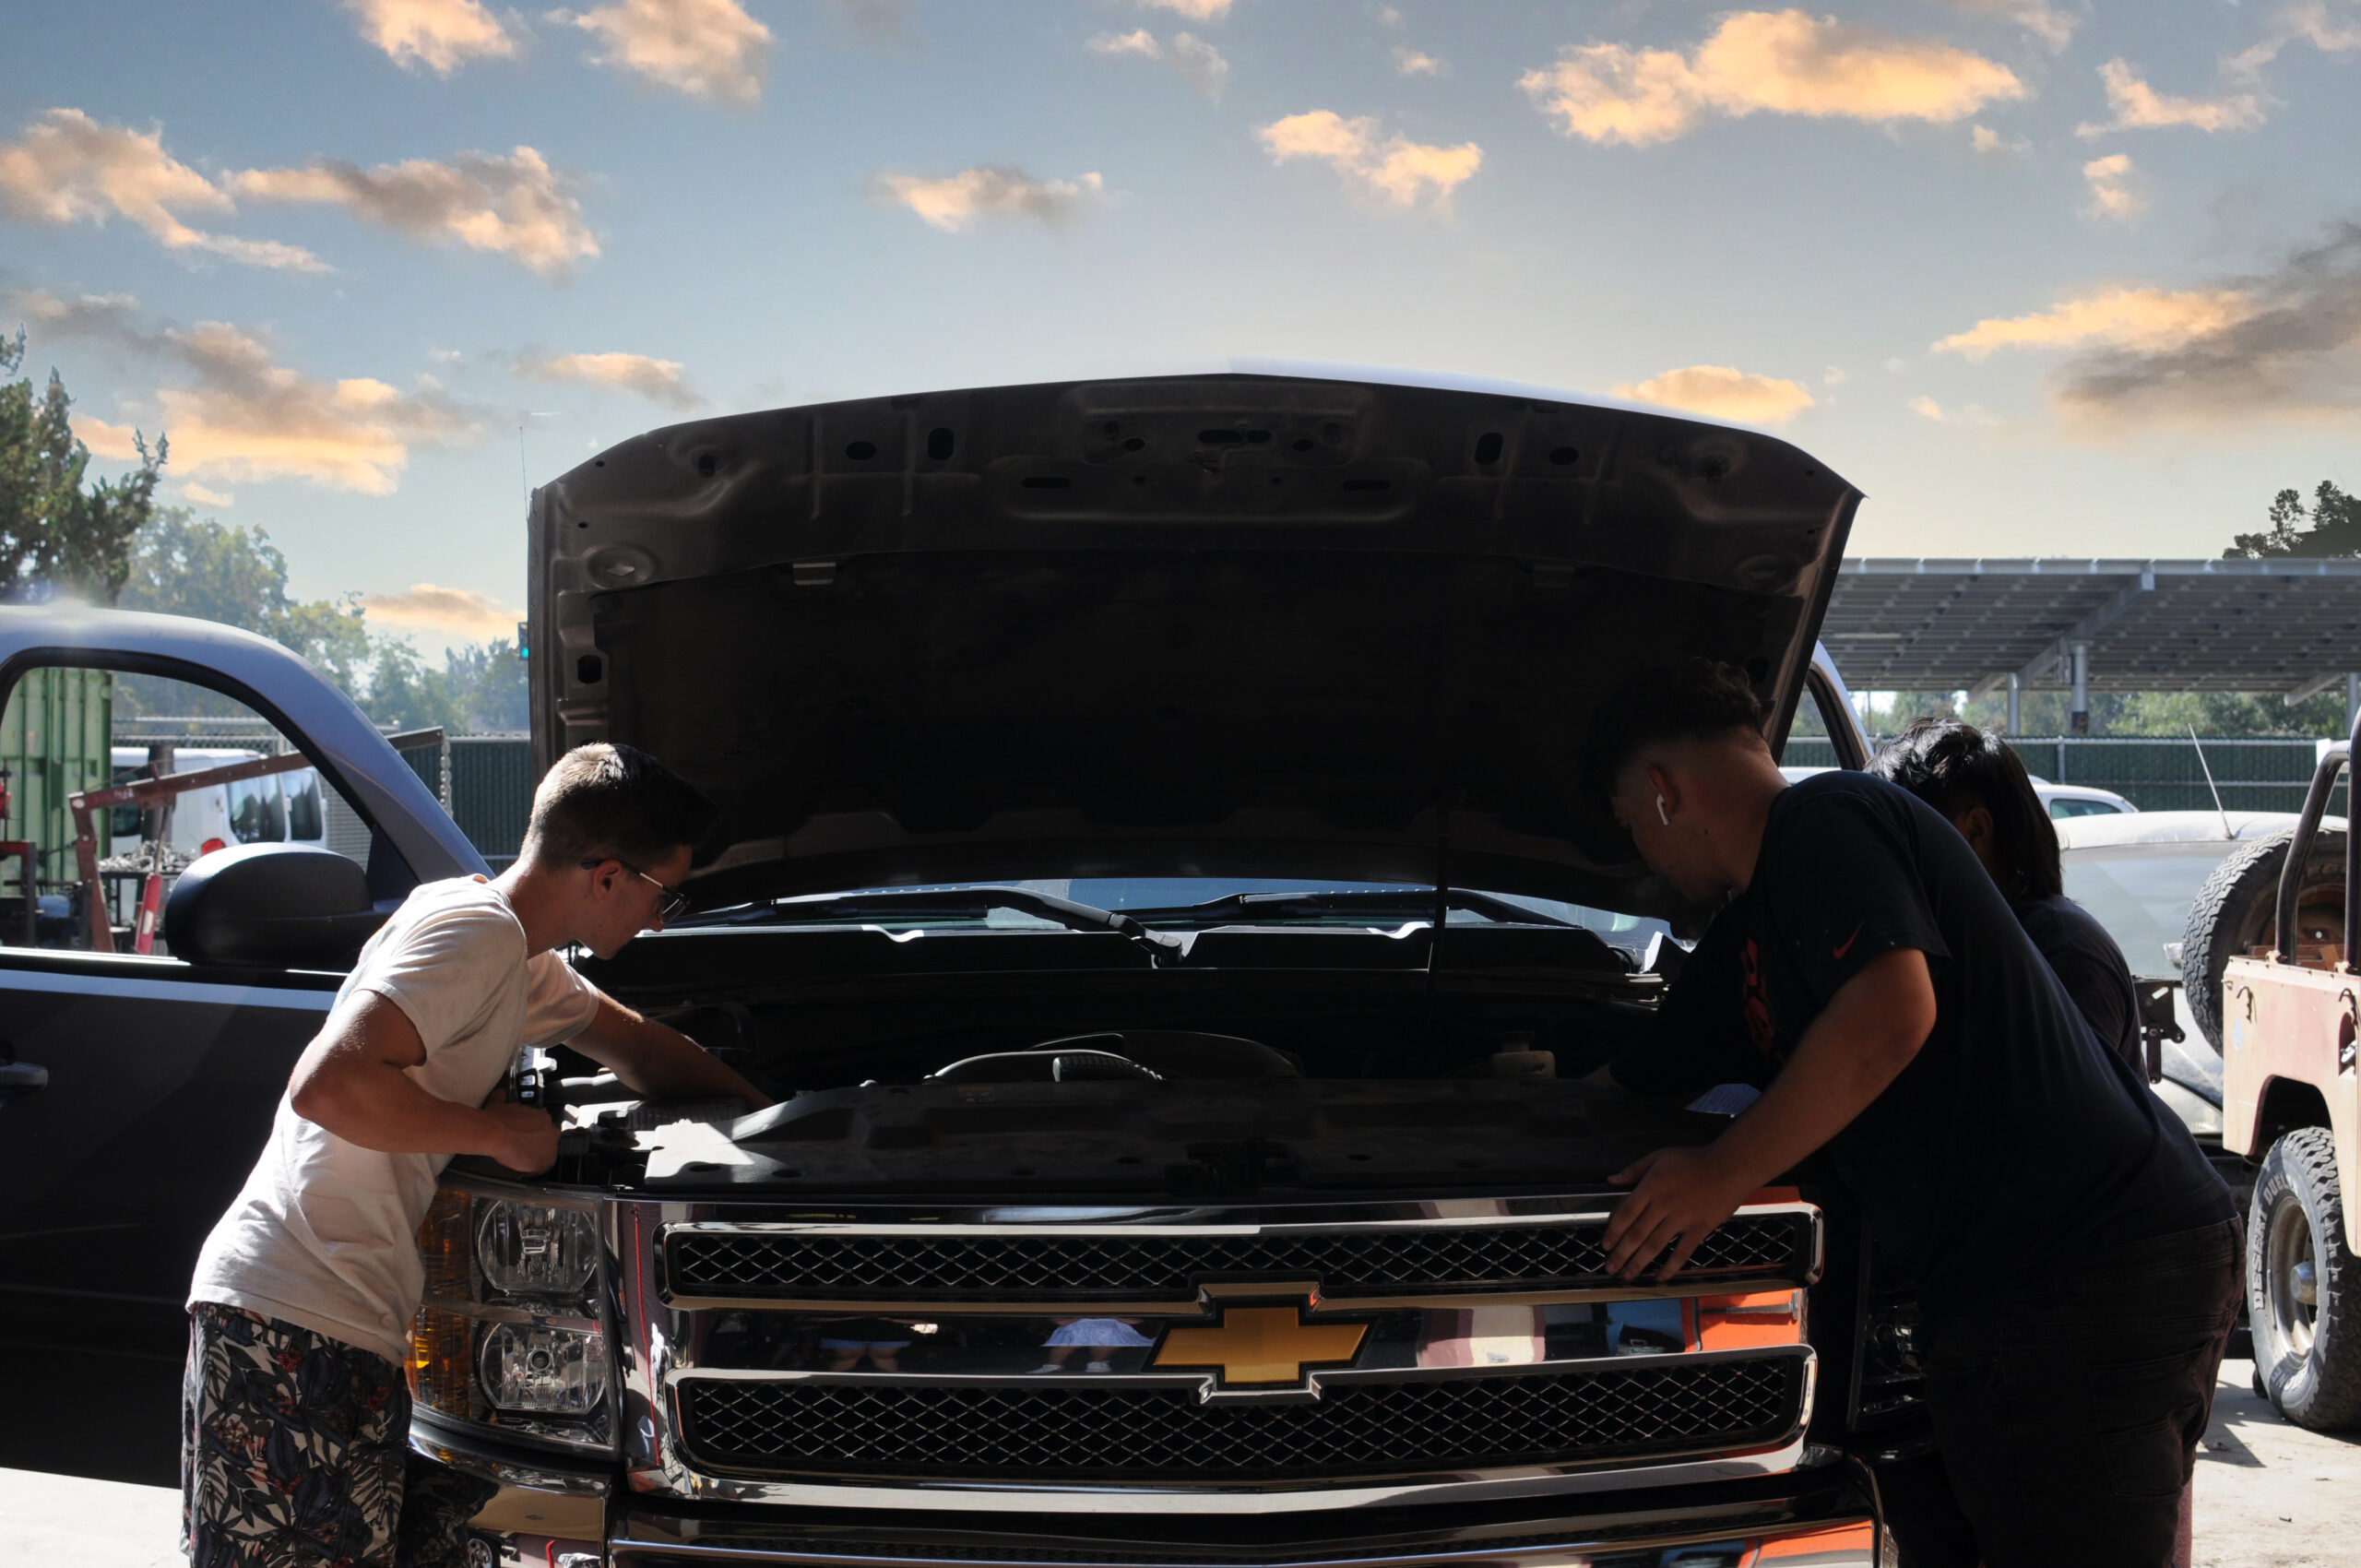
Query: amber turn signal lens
point(440, 1346)
point(442, 1343)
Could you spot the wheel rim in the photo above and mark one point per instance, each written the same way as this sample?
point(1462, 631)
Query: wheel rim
point(2291, 1273)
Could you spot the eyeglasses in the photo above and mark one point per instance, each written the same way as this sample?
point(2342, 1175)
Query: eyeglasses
point(675, 903)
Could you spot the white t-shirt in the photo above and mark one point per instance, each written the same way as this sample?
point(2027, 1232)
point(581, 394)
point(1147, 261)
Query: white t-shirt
point(325, 1235)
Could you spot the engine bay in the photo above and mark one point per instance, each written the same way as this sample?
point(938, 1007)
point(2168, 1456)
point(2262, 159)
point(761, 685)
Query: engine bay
point(1180, 1087)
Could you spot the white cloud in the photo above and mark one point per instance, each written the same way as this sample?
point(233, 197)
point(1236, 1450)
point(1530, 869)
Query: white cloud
point(2305, 21)
point(1390, 17)
point(954, 203)
point(2139, 107)
point(1771, 62)
point(880, 21)
point(1832, 376)
point(703, 48)
point(2282, 345)
point(1139, 41)
point(1188, 56)
point(659, 381)
point(234, 414)
point(439, 34)
point(85, 315)
point(1928, 408)
point(1195, 10)
point(67, 168)
point(1720, 392)
point(462, 611)
point(1395, 170)
point(205, 497)
point(2038, 17)
point(514, 207)
point(1418, 63)
point(2148, 320)
point(2111, 191)
point(445, 356)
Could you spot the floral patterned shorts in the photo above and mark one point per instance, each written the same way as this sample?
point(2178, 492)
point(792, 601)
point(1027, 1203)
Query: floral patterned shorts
point(295, 1450)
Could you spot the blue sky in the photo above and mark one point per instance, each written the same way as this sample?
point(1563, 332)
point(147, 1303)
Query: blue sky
point(2041, 277)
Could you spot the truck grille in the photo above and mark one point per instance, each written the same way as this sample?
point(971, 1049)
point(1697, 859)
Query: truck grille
point(996, 1432)
point(917, 1268)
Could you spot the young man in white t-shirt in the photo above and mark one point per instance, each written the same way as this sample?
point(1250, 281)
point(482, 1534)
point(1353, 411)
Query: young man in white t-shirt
point(296, 1412)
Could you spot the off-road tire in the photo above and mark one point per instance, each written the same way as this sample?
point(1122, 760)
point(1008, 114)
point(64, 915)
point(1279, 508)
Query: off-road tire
point(2235, 909)
point(2320, 1389)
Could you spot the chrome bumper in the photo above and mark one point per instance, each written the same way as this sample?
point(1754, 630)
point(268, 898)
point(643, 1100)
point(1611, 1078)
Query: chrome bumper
point(546, 1514)
point(1728, 1541)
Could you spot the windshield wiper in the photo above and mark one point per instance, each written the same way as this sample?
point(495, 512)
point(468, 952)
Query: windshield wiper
point(957, 903)
point(1416, 903)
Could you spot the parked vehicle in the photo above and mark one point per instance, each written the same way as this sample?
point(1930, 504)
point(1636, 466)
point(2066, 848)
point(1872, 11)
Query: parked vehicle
point(2066, 802)
point(2140, 876)
point(284, 808)
point(2282, 915)
point(1152, 872)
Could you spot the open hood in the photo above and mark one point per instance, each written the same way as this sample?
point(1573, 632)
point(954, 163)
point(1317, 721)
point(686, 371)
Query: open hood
point(1223, 624)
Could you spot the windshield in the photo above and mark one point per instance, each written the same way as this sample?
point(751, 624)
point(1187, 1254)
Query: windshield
point(2142, 893)
point(1184, 903)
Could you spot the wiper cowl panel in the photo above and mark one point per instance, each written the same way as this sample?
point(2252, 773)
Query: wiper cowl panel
point(971, 903)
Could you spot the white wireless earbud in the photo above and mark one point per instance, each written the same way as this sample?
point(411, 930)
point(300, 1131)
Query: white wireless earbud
point(1660, 813)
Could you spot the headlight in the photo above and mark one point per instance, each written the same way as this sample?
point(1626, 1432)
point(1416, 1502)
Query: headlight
point(512, 1334)
point(558, 1371)
point(532, 1249)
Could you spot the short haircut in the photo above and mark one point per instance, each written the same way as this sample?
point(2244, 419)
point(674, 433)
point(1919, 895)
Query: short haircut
point(1955, 768)
point(603, 801)
point(1695, 699)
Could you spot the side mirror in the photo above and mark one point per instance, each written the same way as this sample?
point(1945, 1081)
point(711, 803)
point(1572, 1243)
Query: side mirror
point(284, 905)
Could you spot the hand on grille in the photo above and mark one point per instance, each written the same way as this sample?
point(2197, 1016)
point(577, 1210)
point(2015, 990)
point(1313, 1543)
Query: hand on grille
point(1683, 1194)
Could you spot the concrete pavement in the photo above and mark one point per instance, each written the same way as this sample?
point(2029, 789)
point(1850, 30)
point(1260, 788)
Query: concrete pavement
point(74, 1523)
point(2270, 1495)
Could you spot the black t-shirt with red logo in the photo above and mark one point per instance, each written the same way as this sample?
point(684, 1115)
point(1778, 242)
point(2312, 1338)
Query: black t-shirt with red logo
point(2014, 1143)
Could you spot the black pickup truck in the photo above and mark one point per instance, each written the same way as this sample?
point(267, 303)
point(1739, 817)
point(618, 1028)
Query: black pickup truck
point(1154, 874)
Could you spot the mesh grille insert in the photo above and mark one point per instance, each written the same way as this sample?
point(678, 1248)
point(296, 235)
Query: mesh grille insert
point(921, 1267)
point(1018, 1432)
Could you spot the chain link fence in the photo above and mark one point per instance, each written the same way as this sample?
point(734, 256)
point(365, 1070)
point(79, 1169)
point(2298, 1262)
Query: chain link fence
point(2154, 773)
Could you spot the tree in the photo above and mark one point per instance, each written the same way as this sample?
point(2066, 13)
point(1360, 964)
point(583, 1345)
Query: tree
point(56, 534)
point(490, 678)
point(478, 689)
point(183, 566)
point(186, 566)
point(2332, 528)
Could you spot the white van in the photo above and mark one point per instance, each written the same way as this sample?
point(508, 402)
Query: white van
point(275, 809)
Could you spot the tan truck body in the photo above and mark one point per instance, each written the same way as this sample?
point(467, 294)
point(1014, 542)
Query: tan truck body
point(2285, 1023)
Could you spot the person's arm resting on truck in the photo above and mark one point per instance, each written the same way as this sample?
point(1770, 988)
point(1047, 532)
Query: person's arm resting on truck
point(1869, 1031)
point(651, 1058)
point(350, 1080)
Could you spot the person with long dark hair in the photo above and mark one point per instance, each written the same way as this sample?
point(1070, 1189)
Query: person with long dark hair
point(1979, 784)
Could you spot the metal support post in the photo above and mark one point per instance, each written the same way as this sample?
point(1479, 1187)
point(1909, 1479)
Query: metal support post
point(2016, 699)
point(2078, 718)
point(2352, 699)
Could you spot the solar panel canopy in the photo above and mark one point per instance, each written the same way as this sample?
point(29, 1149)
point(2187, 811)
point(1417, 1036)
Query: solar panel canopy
point(1948, 625)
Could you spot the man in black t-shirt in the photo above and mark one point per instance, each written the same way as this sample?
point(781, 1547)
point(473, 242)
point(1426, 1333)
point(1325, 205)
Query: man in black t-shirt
point(2074, 1254)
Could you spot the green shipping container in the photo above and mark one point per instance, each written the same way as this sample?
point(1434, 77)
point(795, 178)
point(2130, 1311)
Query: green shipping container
point(54, 735)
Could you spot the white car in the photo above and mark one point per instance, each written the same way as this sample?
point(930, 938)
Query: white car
point(2066, 802)
point(2137, 874)
point(2063, 801)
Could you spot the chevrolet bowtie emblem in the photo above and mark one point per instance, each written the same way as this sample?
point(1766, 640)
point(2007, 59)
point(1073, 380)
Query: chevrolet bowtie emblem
point(1261, 1345)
